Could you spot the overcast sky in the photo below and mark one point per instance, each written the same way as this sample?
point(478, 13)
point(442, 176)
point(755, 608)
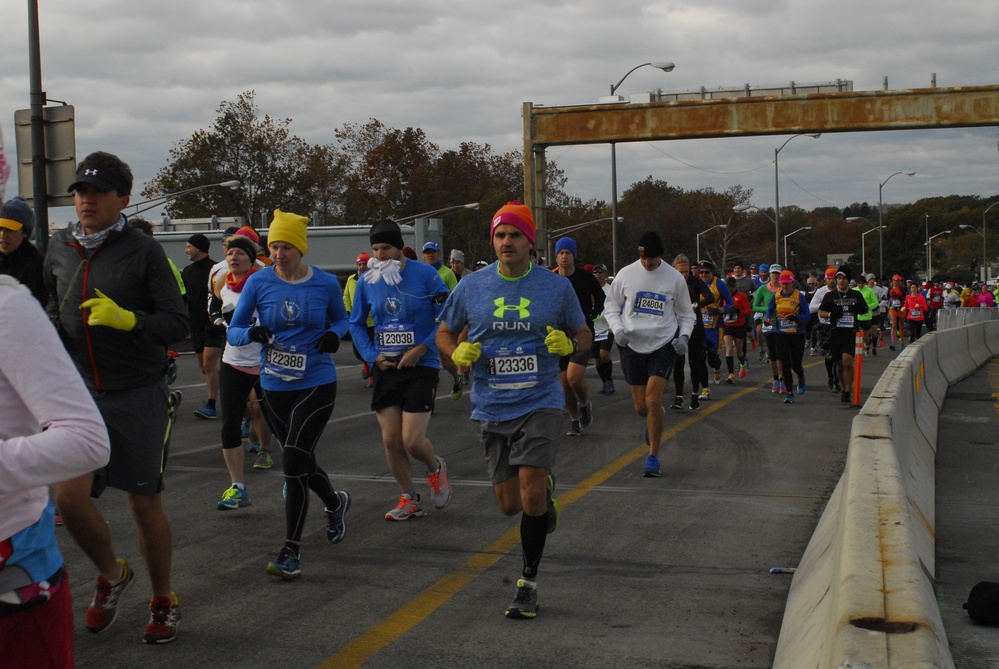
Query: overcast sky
point(144, 76)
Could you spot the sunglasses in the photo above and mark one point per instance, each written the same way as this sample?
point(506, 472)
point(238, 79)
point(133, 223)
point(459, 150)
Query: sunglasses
point(599, 271)
point(704, 271)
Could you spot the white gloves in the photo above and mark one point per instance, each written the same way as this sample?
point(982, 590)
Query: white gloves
point(383, 269)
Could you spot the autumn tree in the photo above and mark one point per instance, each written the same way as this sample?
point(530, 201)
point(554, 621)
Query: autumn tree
point(259, 152)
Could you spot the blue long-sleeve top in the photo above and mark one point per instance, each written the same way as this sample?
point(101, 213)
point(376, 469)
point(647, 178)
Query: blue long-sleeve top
point(410, 306)
point(298, 314)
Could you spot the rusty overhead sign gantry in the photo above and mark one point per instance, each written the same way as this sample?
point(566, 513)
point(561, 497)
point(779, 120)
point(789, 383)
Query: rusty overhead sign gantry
point(854, 111)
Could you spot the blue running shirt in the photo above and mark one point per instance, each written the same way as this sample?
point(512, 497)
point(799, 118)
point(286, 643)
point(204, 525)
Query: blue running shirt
point(510, 317)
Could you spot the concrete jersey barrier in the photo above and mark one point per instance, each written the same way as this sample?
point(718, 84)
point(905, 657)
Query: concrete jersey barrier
point(863, 595)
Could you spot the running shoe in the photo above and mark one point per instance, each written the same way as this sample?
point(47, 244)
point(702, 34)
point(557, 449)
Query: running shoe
point(731, 379)
point(811, 352)
point(164, 619)
point(263, 460)
point(103, 608)
point(845, 397)
point(832, 385)
point(207, 411)
point(836, 386)
point(585, 415)
point(783, 388)
point(365, 370)
point(574, 429)
point(439, 485)
point(742, 370)
point(677, 403)
point(244, 428)
point(789, 399)
point(234, 498)
point(371, 382)
point(466, 379)
point(695, 404)
point(608, 387)
point(801, 388)
point(525, 604)
point(336, 521)
point(286, 565)
point(717, 378)
point(173, 403)
point(651, 466)
point(775, 387)
point(456, 389)
point(253, 449)
point(408, 507)
point(554, 512)
point(705, 394)
point(874, 351)
point(171, 373)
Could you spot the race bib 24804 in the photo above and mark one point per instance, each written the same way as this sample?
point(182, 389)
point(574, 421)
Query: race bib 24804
point(652, 304)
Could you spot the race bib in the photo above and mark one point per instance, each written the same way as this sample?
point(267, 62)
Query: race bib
point(787, 325)
point(284, 361)
point(845, 321)
point(601, 336)
point(731, 316)
point(394, 339)
point(511, 367)
point(895, 304)
point(915, 314)
point(649, 303)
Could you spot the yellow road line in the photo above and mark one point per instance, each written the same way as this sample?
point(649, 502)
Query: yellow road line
point(361, 649)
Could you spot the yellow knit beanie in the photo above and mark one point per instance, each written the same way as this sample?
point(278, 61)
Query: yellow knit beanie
point(289, 228)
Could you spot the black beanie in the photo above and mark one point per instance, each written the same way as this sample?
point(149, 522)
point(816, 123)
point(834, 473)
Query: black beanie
point(650, 245)
point(200, 242)
point(386, 231)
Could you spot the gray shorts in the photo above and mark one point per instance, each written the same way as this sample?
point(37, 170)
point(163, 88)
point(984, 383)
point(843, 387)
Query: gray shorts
point(137, 424)
point(531, 439)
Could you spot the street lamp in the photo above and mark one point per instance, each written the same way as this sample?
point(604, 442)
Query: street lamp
point(929, 253)
point(863, 254)
point(163, 199)
point(975, 230)
point(739, 208)
point(562, 232)
point(777, 189)
point(985, 272)
point(698, 238)
point(665, 66)
point(881, 224)
point(435, 212)
point(794, 232)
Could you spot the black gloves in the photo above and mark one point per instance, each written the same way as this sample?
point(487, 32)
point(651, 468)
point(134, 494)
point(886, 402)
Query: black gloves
point(328, 343)
point(261, 334)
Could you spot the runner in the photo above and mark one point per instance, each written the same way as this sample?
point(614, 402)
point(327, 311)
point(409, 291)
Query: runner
point(788, 313)
point(404, 298)
point(520, 319)
point(841, 306)
point(300, 319)
point(734, 330)
point(649, 312)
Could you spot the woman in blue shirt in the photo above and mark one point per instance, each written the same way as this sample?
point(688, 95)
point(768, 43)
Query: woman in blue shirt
point(300, 319)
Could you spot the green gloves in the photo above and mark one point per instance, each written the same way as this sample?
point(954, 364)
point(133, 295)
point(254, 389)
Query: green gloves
point(466, 353)
point(103, 311)
point(559, 342)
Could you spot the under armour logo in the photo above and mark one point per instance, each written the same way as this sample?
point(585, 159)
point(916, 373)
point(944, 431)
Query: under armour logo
point(90, 173)
point(521, 308)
